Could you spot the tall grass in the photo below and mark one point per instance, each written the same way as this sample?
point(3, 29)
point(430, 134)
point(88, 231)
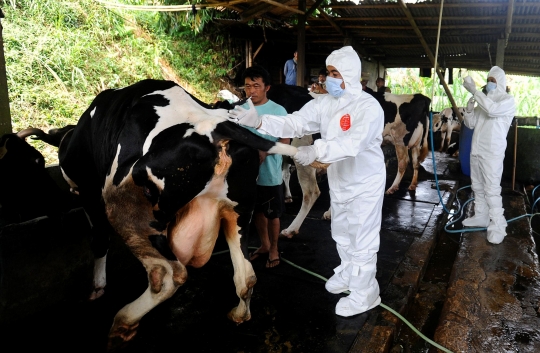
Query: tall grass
point(61, 54)
point(525, 90)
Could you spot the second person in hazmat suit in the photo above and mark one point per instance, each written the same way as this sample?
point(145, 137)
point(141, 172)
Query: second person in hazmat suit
point(490, 120)
point(350, 122)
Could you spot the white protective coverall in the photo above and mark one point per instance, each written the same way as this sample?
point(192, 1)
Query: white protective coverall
point(490, 120)
point(351, 128)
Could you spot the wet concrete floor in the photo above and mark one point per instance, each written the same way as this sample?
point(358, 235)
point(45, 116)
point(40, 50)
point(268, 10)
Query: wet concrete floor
point(291, 310)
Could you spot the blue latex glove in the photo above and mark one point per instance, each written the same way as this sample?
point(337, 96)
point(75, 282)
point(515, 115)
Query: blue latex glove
point(248, 117)
point(306, 155)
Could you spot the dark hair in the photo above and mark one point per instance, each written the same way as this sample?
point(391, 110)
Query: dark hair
point(256, 71)
point(323, 72)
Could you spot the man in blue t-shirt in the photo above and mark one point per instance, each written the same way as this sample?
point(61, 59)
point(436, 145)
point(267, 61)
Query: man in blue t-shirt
point(270, 199)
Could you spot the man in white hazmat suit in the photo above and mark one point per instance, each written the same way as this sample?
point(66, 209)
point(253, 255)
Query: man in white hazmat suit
point(351, 123)
point(490, 120)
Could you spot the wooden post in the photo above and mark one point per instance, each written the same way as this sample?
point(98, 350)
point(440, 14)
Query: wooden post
point(499, 59)
point(301, 45)
point(5, 115)
point(249, 54)
point(515, 155)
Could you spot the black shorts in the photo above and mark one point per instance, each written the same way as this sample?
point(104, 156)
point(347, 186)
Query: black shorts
point(270, 201)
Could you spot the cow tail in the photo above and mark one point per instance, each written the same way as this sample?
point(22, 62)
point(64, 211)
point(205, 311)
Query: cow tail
point(54, 137)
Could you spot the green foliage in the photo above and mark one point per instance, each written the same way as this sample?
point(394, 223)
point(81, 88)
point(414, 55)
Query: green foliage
point(525, 90)
point(61, 54)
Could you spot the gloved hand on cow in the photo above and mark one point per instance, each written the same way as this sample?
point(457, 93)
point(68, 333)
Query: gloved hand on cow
point(248, 117)
point(470, 105)
point(469, 84)
point(306, 155)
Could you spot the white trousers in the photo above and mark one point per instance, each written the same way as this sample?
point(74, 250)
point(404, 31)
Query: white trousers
point(355, 229)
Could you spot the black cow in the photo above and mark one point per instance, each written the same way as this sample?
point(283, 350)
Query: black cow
point(165, 173)
point(27, 190)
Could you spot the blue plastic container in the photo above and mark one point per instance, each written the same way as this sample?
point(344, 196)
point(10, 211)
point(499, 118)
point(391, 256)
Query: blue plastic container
point(465, 140)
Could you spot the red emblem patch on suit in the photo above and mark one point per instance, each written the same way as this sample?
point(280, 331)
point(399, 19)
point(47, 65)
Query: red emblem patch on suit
point(345, 122)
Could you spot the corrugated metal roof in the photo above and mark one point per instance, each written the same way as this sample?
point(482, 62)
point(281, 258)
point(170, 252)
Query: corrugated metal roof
point(471, 30)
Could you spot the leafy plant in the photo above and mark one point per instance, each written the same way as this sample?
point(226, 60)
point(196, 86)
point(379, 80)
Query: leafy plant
point(524, 89)
point(61, 54)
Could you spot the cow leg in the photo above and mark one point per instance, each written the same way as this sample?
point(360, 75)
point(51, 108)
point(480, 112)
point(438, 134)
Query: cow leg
point(100, 230)
point(286, 172)
point(443, 140)
point(402, 153)
point(244, 276)
point(164, 278)
point(310, 193)
point(448, 136)
point(414, 154)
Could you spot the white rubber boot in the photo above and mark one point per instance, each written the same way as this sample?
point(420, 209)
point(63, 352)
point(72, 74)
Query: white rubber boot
point(339, 282)
point(481, 214)
point(363, 286)
point(496, 231)
point(356, 303)
point(478, 220)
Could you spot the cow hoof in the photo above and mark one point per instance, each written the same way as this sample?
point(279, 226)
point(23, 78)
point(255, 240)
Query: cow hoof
point(238, 319)
point(390, 191)
point(288, 199)
point(97, 293)
point(120, 336)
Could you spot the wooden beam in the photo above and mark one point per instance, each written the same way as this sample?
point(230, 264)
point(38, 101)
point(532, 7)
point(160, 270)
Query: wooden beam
point(429, 18)
point(333, 24)
point(509, 20)
point(282, 6)
point(430, 55)
point(389, 6)
point(301, 45)
point(256, 9)
point(313, 8)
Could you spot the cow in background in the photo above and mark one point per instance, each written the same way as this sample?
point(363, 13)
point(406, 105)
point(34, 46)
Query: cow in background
point(446, 122)
point(406, 118)
point(165, 173)
point(27, 190)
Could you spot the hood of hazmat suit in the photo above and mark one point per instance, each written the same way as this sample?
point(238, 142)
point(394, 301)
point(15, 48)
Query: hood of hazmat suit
point(347, 62)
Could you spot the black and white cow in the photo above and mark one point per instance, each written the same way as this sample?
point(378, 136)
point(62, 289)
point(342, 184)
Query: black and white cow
point(165, 173)
point(406, 126)
point(447, 122)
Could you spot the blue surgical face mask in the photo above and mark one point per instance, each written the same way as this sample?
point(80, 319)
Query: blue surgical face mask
point(333, 86)
point(491, 86)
